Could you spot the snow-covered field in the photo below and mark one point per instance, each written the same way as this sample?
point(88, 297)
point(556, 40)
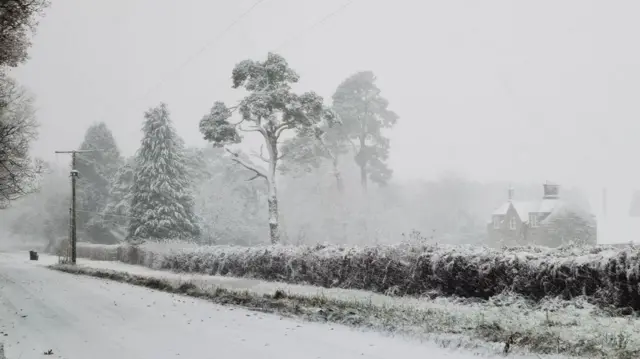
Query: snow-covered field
point(79, 317)
point(575, 326)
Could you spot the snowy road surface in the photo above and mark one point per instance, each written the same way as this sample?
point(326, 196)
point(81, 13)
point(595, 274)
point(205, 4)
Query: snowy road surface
point(87, 318)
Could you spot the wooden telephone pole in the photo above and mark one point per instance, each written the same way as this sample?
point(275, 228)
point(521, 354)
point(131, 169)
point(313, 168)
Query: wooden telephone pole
point(74, 175)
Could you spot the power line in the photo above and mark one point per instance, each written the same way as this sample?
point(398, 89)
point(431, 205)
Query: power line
point(209, 43)
point(314, 25)
point(220, 35)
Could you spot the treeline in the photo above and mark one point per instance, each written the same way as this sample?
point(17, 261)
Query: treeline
point(320, 175)
point(151, 195)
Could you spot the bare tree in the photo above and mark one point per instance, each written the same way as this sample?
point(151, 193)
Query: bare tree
point(18, 128)
point(17, 23)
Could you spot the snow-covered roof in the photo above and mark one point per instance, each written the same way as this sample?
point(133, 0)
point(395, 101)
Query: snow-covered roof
point(548, 205)
point(523, 208)
point(502, 210)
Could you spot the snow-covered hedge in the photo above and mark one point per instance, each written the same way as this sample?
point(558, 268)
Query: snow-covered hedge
point(604, 274)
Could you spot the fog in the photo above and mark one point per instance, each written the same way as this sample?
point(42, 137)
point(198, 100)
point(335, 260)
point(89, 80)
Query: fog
point(489, 95)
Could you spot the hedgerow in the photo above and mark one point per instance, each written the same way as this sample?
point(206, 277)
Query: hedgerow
point(605, 275)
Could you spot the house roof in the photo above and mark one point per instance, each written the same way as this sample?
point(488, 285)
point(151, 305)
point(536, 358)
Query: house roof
point(502, 210)
point(523, 208)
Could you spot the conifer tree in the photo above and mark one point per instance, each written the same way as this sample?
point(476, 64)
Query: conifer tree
point(161, 199)
point(365, 114)
point(96, 171)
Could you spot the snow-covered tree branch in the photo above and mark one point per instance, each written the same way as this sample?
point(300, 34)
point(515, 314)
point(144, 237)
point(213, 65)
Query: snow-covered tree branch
point(18, 128)
point(246, 164)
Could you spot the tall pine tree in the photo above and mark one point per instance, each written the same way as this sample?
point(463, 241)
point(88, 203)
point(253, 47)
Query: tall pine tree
point(365, 114)
point(96, 171)
point(161, 200)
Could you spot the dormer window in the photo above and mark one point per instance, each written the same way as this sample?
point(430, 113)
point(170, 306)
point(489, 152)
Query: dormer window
point(512, 223)
point(533, 220)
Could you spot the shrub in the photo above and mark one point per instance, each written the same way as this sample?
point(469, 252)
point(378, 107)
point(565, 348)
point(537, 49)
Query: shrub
point(604, 275)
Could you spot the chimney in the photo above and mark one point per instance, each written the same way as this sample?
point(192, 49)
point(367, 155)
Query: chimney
point(510, 193)
point(551, 191)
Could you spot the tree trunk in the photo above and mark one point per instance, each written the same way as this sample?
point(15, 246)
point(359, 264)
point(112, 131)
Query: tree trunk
point(334, 162)
point(274, 222)
point(339, 182)
point(274, 228)
point(363, 159)
point(337, 174)
point(363, 176)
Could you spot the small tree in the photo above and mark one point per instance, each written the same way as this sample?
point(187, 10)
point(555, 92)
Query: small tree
point(161, 202)
point(270, 109)
point(364, 114)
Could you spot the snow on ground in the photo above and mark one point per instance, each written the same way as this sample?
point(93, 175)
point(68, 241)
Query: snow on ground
point(81, 317)
point(573, 321)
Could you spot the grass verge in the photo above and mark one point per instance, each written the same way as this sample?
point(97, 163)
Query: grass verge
point(440, 326)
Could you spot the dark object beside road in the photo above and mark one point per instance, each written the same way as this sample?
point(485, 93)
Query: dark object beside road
point(33, 255)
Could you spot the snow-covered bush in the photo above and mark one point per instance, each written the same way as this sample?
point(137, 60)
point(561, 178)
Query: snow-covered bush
point(604, 275)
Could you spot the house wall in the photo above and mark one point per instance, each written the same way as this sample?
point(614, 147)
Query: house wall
point(536, 235)
point(541, 235)
point(504, 235)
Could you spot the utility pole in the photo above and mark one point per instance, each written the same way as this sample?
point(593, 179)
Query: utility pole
point(74, 175)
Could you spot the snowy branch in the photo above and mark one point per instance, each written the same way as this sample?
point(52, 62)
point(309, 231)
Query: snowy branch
point(250, 129)
point(282, 128)
point(254, 177)
point(236, 158)
point(261, 154)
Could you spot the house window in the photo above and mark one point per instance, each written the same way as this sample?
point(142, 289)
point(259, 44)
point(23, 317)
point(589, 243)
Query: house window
point(533, 220)
point(496, 222)
point(512, 223)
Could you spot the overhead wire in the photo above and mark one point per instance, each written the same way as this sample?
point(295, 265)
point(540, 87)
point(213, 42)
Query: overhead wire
point(207, 45)
point(214, 40)
point(237, 20)
point(300, 35)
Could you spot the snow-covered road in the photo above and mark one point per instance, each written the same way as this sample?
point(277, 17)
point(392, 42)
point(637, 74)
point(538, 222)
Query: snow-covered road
point(80, 317)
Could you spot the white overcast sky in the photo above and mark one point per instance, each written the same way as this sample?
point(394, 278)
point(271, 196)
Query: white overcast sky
point(511, 90)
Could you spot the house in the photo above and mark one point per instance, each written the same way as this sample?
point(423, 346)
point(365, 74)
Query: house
point(548, 221)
